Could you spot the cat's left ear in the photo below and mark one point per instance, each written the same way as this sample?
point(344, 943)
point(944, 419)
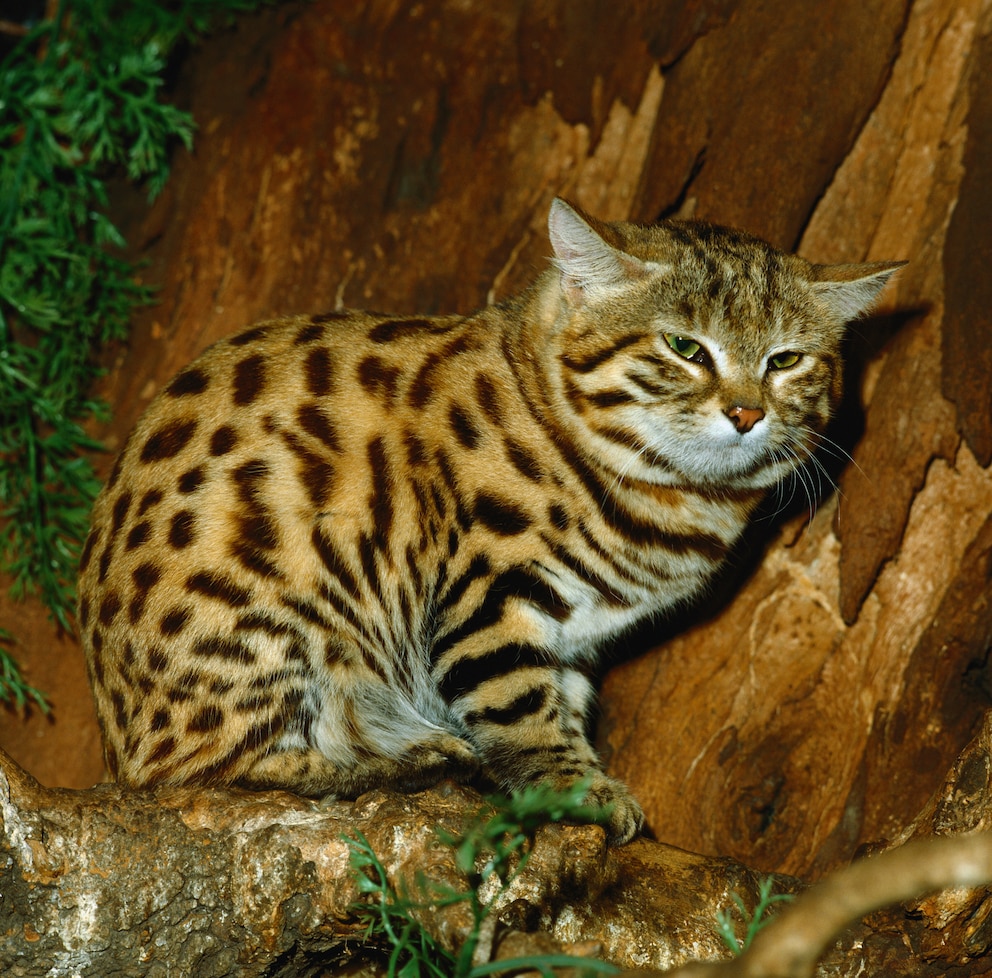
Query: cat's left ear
point(850, 290)
point(589, 264)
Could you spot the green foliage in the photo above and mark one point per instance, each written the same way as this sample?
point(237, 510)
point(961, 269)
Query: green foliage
point(754, 921)
point(13, 686)
point(80, 100)
point(498, 839)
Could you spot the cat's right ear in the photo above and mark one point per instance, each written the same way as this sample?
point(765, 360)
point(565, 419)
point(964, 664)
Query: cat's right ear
point(589, 265)
point(851, 290)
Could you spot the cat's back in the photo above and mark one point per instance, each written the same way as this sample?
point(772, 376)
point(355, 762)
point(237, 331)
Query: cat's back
point(225, 503)
point(262, 431)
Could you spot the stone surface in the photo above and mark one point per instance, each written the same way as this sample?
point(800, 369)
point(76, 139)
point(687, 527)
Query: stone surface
point(966, 359)
point(959, 918)
point(753, 139)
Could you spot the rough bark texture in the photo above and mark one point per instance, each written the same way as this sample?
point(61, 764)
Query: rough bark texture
point(214, 883)
point(402, 156)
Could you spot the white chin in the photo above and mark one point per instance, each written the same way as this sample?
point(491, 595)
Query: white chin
point(732, 467)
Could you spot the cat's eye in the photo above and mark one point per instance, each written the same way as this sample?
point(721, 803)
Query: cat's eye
point(686, 347)
point(783, 360)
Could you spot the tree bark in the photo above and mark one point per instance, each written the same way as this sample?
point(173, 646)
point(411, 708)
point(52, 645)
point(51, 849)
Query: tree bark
point(195, 882)
point(398, 156)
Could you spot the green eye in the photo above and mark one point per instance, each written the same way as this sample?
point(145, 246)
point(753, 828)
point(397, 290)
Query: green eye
point(684, 346)
point(782, 360)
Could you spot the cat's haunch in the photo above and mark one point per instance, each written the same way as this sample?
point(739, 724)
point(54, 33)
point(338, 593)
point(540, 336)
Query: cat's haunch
point(347, 551)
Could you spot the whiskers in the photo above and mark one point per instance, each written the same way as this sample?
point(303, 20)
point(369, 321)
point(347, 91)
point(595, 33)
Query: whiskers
point(808, 472)
point(624, 472)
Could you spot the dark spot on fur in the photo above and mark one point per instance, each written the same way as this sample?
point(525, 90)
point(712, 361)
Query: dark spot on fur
point(223, 440)
point(378, 378)
point(109, 607)
point(191, 381)
point(380, 500)
point(422, 390)
point(175, 621)
point(157, 660)
point(258, 529)
point(463, 426)
point(500, 515)
point(115, 472)
point(168, 441)
point(218, 586)
point(159, 721)
point(145, 577)
point(310, 333)
point(165, 748)
point(151, 498)
point(119, 512)
point(120, 713)
point(209, 718)
point(181, 531)
point(191, 480)
point(394, 329)
point(254, 703)
point(331, 316)
point(559, 516)
point(333, 561)
point(140, 532)
point(249, 379)
point(315, 422)
point(92, 539)
point(260, 621)
point(254, 560)
point(416, 452)
point(104, 565)
point(246, 476)
point(249, 336)
point(524, 461)
point(488, 399)
point(217, 646)
point(318, 372)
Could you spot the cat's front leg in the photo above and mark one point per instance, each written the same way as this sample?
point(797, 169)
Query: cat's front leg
point(527, 721)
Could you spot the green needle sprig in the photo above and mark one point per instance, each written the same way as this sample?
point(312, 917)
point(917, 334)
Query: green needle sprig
point(81, 101)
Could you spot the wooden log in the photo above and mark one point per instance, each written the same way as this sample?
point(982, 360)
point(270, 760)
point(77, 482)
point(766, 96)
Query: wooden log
point(106, 881)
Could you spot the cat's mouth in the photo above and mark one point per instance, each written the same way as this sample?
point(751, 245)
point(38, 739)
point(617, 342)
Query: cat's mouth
point(746, 460)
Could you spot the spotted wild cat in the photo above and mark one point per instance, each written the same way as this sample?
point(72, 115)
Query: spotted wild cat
point(353, 550)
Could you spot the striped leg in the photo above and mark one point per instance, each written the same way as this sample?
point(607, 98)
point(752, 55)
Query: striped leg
point(527, 721)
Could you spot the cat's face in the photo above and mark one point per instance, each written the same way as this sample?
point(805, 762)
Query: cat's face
point(700, 355)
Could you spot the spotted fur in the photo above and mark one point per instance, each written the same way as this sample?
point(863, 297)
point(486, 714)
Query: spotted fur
point(354, 550)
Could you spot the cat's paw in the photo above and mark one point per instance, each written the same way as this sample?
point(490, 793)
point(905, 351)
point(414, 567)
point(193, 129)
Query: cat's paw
point(459, 757)
point(622, 816)
point(441, 757)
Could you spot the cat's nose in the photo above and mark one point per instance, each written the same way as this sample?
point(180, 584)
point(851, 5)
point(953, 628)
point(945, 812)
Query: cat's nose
point(745, 418)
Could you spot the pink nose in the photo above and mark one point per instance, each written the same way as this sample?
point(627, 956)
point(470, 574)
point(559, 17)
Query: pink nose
point(745, 418)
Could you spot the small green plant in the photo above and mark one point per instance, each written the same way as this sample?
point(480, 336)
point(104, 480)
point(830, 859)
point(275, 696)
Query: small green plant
point(754, 921)
point(80, 101)
point(498, 840)
point(14, 688)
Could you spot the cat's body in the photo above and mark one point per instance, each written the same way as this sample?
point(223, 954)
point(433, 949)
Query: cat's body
point(354, 550)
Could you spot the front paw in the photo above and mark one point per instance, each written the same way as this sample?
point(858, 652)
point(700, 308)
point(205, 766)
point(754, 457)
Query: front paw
point(620, 813)
point(605, 802)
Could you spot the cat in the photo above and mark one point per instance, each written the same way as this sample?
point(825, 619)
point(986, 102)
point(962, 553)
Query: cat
point(351, 550)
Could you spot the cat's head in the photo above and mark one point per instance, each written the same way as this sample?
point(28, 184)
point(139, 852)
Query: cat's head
point(700, 354)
